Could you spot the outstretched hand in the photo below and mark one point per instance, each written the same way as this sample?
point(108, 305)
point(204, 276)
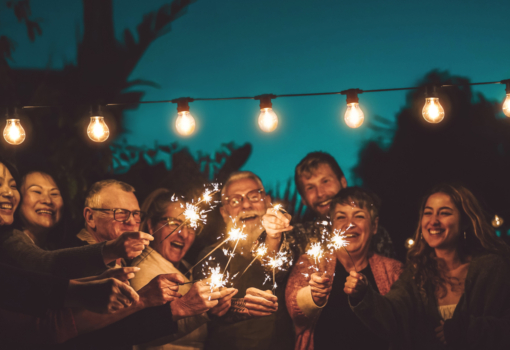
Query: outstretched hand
point(260, 303)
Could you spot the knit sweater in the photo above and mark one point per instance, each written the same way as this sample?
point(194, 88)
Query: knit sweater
point(303, 310)
point(408, 314)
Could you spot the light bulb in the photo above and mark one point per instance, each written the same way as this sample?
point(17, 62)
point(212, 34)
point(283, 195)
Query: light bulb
point(354, 116)
point(506, 106)
point(98, 130)
point(409, 243)
point(433, 112)
point(497, 221)
point(185, 123)
point(268, 120)
point(14, 132)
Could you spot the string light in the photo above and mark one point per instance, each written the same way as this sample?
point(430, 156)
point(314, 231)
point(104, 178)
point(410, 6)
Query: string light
point(432, 111)
point(506, 104)
point(409, 243)
point(497, 221)
point(268, 120)
point(353, 116)
point(14, 133)
point(97, 130)
point(185, 123)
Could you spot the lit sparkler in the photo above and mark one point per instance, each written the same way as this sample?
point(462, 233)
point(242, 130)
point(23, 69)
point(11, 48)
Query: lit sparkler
point(278, 262)
point(316, 252)
point(338, 240)
point(218, 280)
point(234, 234)
point(259, 253)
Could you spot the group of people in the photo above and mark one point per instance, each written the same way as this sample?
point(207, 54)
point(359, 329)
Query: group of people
point(123, 281)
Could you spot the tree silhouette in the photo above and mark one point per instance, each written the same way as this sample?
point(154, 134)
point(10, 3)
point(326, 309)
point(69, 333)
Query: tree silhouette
point(470, 146)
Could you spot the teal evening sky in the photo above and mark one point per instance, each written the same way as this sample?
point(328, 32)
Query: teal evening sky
point(244, 48)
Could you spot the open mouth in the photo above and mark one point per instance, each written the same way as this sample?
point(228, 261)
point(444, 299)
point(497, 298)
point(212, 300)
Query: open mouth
point(249, 218)
point(435, 232)
point(177, 245)
point(323, 204)
point(351, 235)
point(44, 212)
point(6, 206)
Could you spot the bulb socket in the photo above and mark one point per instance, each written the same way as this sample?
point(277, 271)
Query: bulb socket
point(352, 95)
point(507, 83)
point(265, 100)
point(182, 104)
point(431, 91)
point(96, 111)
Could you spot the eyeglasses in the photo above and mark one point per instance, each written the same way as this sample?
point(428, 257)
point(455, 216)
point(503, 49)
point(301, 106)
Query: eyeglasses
point(173, 223)
point(253, 196)
point(123, 215)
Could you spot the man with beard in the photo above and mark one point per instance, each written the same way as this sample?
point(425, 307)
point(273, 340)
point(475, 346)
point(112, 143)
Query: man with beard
point(257, 319)
point(318, 179)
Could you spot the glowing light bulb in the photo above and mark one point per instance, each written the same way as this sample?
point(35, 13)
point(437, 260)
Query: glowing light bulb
point(268, 120)
point(185, 123)
point(409, 243)
point(433, 112)
point(354, 116)
point(98, 130)
point(506, 106)
point(14, 132)
point(497, 221)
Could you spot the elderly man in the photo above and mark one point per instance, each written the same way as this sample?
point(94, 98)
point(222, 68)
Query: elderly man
point(257, 319)
point(318, 179)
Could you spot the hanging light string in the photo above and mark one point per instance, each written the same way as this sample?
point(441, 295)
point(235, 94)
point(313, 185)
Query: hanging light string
point(185, 124)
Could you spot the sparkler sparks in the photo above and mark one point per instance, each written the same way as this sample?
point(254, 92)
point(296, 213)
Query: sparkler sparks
point(279, 261)
point(315, 252)
point(235, 234)
point(217, 278)
point(338, 240)
point(194, 215)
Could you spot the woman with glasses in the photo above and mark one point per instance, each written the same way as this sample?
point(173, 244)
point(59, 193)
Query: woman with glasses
point(172, 239)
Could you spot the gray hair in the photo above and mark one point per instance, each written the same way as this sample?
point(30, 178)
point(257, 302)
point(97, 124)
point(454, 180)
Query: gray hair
point(92, 199)
point(240, 175)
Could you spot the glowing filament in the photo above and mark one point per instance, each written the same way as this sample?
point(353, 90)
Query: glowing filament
point(354, 116)
point(433, 112)
point(506, 106)
point(14, 132)
point(98, 130)
point(268, 120)
point(185, 123)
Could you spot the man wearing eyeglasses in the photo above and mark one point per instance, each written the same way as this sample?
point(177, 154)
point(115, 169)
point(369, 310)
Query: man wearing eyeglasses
point(257, 318)
point(112, 214)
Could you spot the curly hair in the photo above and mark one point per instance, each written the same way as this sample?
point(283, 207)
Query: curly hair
point(479, 238)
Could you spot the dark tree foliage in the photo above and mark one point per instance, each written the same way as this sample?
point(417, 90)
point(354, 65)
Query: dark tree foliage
point(471, 146)
point(57, 136)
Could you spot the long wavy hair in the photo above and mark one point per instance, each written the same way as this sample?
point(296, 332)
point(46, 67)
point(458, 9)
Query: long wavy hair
point(479, 238)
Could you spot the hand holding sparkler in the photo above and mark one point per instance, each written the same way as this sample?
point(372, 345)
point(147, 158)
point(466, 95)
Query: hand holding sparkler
point(320, 285)
point(260, 303)
point(276, 220)
point(356, 285)
point(199, 299)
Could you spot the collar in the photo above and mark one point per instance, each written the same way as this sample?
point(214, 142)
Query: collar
point(85, 236)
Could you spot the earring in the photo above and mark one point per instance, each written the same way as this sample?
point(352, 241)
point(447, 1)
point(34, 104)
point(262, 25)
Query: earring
point(464, 234)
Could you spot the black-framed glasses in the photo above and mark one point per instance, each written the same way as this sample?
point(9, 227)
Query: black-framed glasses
point(123, 215)
point(253, 196)
point(173, 223)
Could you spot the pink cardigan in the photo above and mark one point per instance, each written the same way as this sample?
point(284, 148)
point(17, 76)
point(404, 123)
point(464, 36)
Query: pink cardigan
point(386, 271)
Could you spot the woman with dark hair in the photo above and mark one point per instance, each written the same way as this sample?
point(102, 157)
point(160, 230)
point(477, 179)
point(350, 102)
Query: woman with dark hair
point(455, 290)
point(314, 295)
point(172, 240)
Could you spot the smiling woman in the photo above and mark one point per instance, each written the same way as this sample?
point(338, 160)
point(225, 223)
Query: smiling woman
point(41, 207)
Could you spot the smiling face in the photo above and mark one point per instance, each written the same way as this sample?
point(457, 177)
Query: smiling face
point(358, 227)
point(9, 196)
point(175, 247)
point(320, 187)
point(41, 207)
point(440, 222)
point(247, 213)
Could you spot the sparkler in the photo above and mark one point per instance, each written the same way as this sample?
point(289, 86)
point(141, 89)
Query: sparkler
point(277, 262)
point(234, 234)
point(316, 252)
point(338, 241)
point(259, 253)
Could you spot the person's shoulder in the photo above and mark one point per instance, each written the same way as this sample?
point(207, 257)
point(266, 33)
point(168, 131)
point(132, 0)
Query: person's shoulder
point(380, 259)
point(490, 261)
